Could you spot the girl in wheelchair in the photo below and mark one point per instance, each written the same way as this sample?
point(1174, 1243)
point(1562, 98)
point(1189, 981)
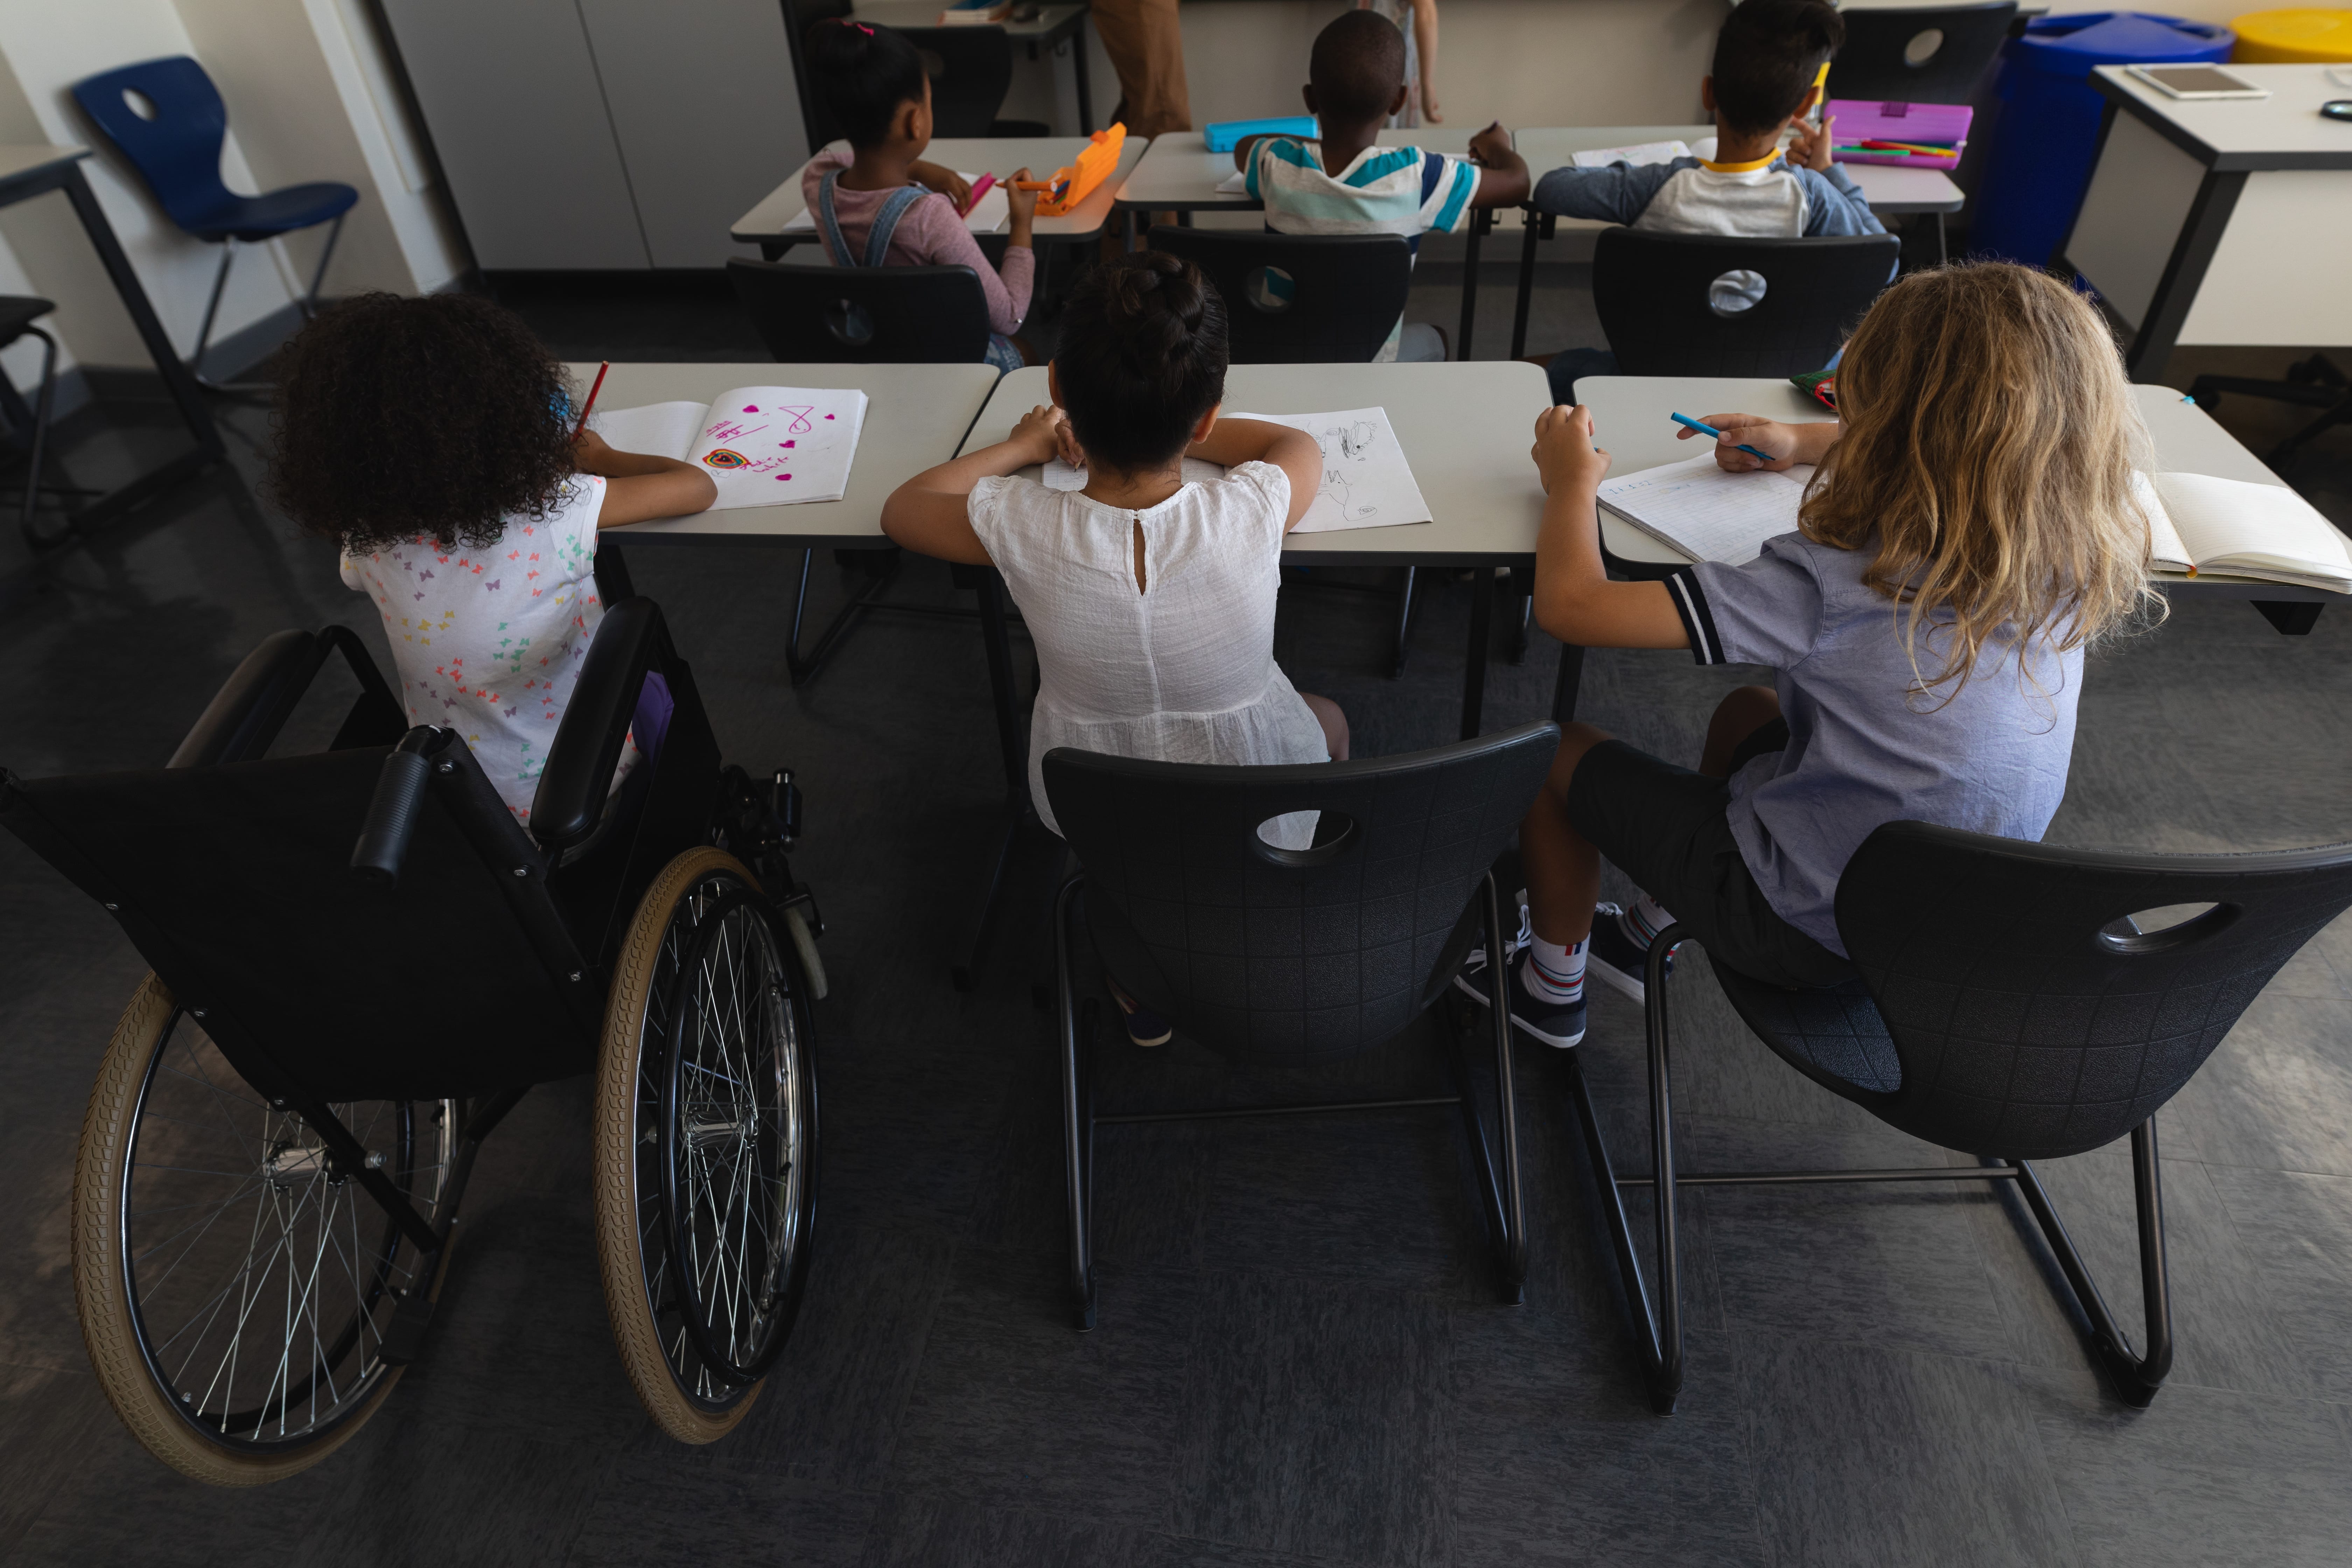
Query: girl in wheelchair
point(431, 440)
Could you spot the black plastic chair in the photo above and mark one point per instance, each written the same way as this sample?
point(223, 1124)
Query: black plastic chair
point(1289, 957)
point(1298, 298)
point(2016, 1002)
point(293, 1100)
point(1904, 55)
point(970, 70)
point(800, 16)
point(1657, 301)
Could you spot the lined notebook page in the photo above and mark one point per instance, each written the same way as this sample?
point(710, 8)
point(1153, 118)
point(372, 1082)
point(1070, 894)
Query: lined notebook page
point(1706, 513)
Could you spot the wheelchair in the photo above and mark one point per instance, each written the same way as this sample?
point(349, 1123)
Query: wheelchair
point(266, 1192)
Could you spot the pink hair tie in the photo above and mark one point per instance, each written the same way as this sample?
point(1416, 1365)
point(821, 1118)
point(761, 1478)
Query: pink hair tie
point(861, 26)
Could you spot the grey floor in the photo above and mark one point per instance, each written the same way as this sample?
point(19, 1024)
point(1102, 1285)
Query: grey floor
point(1299, 1358)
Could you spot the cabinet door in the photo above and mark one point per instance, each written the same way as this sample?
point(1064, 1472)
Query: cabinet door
point(518, 119)
point(702, 97)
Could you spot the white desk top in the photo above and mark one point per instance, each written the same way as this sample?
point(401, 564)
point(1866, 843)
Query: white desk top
point(2285, 130)
point(1629, 417)
point(903, 14)
point(916, 414)
point(1465, 429)
point(998, 156)
point(1179, 173)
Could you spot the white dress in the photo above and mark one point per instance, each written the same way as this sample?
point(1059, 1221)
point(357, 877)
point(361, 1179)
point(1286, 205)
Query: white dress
point(1181, 671)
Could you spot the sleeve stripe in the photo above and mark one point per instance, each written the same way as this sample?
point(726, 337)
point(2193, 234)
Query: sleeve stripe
point(1698, 622)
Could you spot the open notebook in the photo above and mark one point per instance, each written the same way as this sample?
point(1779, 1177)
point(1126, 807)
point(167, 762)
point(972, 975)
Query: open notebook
point(2196, 522)
point(1367, 483)
point(764, 445)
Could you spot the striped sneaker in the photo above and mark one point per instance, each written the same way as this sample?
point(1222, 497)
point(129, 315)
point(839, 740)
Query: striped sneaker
point(1618, 955)
point(1557, 1024)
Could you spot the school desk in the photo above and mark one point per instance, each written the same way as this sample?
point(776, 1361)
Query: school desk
point(1890, 191)
point(1045, 31)
point(2219, 221)
point(765, 225)
point(35, 169)
point(1630, 418)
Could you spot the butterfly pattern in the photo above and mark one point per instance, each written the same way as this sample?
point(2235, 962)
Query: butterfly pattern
point(495, 656)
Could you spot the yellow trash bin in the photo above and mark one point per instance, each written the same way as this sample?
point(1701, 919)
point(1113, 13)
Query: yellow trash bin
point(2300, 35)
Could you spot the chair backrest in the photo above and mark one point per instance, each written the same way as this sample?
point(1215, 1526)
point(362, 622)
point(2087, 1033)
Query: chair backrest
point(865, 315)
point(2031, 1016)
point(799, 17)
point(1297, 298)
point(970, 70)
point(178, 151)
point(1664, 299)
point(1902, 54)
point(1281, 955)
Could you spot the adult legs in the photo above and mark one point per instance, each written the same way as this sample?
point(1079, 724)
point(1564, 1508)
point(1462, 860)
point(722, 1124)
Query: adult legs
point(1146, 46)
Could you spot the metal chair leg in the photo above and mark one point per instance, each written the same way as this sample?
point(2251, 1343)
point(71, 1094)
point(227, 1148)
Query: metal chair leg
point(1506, 1209)
point(205, 333)
point(1405, 621)
point(2136, 1377)
point(41, 410)
point(319, 273)
point(1077, 1121)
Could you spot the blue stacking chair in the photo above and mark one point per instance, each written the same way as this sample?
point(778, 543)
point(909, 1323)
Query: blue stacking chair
point(178, 151)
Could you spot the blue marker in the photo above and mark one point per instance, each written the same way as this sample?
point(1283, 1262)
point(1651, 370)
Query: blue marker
point(1711, 430)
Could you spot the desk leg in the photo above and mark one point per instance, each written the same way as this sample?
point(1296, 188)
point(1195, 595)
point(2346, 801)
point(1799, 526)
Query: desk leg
point(998, 643)
point(2288, 618)
point(1943, 251)
point(1569, 685)
point(1528, 239)
point(1131, 229)
point(770, 251)
point(1473, 663)
point(1481, 220)
point(1085, 83)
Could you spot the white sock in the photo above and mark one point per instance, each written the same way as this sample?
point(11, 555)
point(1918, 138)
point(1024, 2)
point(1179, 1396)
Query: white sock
point(1646, 919)
point(1554, 974)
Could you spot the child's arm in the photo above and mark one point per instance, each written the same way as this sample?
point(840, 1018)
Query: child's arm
point(1502, 172)
point(1247, 147)
point(1424, 38)
point(1232, 441)
point(1618, 194)
point(1574, 599)
point(1789, 444)
point(931, 513)
point(639, 487)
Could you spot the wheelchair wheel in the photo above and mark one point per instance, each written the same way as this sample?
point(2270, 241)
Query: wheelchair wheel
point(235, 1287)
point(706, 1145)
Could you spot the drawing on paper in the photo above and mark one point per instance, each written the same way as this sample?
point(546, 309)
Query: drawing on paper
point(723, 457)
point(800, 413)
point(1345, 446)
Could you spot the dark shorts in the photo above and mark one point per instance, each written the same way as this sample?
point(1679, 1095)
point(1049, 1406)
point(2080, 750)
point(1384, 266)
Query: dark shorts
point(1665, 828)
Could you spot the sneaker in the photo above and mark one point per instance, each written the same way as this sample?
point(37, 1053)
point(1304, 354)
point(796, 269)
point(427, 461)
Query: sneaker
point(1557, 1024)
point(1616, 956)
point(1144, 1026)
point(1511, 945)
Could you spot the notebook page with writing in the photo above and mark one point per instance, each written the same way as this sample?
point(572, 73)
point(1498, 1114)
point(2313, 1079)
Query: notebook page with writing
point(773, 446)
point(2265, 530)
point(1706, 513)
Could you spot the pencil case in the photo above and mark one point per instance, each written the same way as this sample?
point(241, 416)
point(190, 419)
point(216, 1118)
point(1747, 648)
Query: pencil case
point(1227, 134)
point(1927, 136)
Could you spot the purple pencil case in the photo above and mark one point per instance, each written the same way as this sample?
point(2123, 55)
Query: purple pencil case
point(1858, 120)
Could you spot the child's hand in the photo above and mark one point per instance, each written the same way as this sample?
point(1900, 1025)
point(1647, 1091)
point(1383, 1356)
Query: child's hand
point(1067, 443)
point(1565, 453)
point(590, 454)
point(1039, 433)
point(1749, 430)
point(947, 182)
point(1021, 203)
point(1811, 149)
point(1486, 143)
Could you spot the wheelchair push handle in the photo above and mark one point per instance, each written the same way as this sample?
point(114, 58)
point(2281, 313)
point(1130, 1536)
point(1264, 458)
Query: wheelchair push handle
point(391, 811)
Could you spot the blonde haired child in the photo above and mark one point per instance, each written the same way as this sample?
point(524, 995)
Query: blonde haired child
point(1970, 530)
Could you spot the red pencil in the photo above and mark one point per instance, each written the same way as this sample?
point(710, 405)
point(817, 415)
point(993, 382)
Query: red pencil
point(588, 407)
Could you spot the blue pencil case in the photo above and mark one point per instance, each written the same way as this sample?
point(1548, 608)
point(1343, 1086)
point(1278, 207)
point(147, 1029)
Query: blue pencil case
point(1227, 134)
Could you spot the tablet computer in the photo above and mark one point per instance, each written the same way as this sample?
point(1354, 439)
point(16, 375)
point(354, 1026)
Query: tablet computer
point(2198, 81)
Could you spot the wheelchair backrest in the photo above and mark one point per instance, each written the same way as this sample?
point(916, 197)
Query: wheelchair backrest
point(235, 883)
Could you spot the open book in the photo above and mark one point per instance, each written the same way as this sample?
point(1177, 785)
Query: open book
point(764, 445)
point(988, 213)
point(2199, 523)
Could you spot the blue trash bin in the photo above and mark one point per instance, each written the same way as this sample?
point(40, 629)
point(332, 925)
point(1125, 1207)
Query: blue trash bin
point(2040, 161)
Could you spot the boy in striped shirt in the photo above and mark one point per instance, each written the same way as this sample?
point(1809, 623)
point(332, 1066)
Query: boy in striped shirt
point(1348, 183)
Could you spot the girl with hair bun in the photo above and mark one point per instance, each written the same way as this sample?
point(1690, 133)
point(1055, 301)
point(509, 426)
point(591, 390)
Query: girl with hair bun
point(1150, 596)
point(881, 204)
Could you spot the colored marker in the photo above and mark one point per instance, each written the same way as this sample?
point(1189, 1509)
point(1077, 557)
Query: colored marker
point(588, 407)
point(1705, 429)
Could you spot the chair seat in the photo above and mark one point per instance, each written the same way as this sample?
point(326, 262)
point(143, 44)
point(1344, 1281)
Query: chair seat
point(1833, 1035)
point(18, 311)
point(274, 213)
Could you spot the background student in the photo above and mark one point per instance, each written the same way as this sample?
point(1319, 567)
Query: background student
point(1767, 60)
point(883, 206)
point(1348, 183)
point(1150, 598)
point(1968, 534)
point(431, 438)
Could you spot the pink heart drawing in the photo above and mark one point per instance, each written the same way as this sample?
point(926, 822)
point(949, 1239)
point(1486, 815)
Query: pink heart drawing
point(784, 442)
point(828, 416)
point(784, 476)
point(750, 408)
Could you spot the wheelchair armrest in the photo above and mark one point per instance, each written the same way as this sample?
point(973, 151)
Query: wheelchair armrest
point(246, 714)
point(570, 800)
point(392, 810)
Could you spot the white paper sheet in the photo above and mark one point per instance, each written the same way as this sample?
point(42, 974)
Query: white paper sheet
point(1235, 184)
point(1059, 476)
point(1706, 513)
point(763, 445)
point(1643, 152)
point(988, 214)
point(1367, 483)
